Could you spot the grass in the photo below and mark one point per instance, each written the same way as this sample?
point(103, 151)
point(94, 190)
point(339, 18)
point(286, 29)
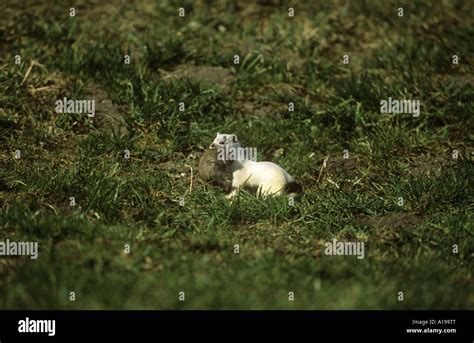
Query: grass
point(191, 248)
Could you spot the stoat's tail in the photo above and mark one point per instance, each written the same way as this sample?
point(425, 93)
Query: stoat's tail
point(293, 189)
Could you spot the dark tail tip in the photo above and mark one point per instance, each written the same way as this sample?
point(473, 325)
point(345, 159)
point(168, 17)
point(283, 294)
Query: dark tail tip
point(293, 188)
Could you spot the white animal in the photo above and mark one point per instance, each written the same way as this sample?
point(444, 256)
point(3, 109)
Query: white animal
point(267, 178)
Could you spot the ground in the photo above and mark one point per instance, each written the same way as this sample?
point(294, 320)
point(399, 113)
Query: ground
point(421, 246)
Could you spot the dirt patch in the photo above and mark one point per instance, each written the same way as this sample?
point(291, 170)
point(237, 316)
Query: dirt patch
point(343, 171)
point(48, 86)
point(45, 86)
point(51, 86)
point(392, 221)
point(205, 75)
point(108, 116)
point(428, 164)
point(460, 80)
point(338, 165)
point(392, 227)
point(292, 60)
point(254, 108)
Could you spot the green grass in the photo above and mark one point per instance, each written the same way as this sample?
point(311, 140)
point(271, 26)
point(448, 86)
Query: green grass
point(190, 248)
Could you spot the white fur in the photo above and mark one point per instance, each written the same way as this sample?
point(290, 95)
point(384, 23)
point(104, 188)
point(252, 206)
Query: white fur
point(267, 178)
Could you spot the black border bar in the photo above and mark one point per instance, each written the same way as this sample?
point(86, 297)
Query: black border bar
point(122, 325)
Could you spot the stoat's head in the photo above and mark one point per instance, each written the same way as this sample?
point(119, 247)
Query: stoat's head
point(223, 139)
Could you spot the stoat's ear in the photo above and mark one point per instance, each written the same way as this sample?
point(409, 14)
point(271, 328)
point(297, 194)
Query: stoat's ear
point(235, 139)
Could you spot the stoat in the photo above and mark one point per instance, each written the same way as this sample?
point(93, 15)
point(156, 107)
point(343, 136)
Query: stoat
point(267, 178)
